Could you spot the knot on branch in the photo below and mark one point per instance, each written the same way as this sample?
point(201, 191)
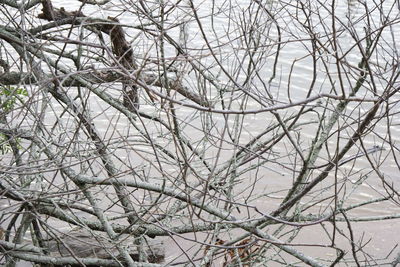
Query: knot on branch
point(51, 14)
point(120, 46)
point(123, 52)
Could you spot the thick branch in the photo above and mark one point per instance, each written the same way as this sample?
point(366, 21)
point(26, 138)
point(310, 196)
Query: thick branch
point(65, 261)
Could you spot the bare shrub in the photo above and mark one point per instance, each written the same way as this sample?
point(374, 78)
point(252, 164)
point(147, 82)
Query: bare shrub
point(214, 133)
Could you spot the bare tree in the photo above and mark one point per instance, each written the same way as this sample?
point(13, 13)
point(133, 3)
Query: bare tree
point(213, 133)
